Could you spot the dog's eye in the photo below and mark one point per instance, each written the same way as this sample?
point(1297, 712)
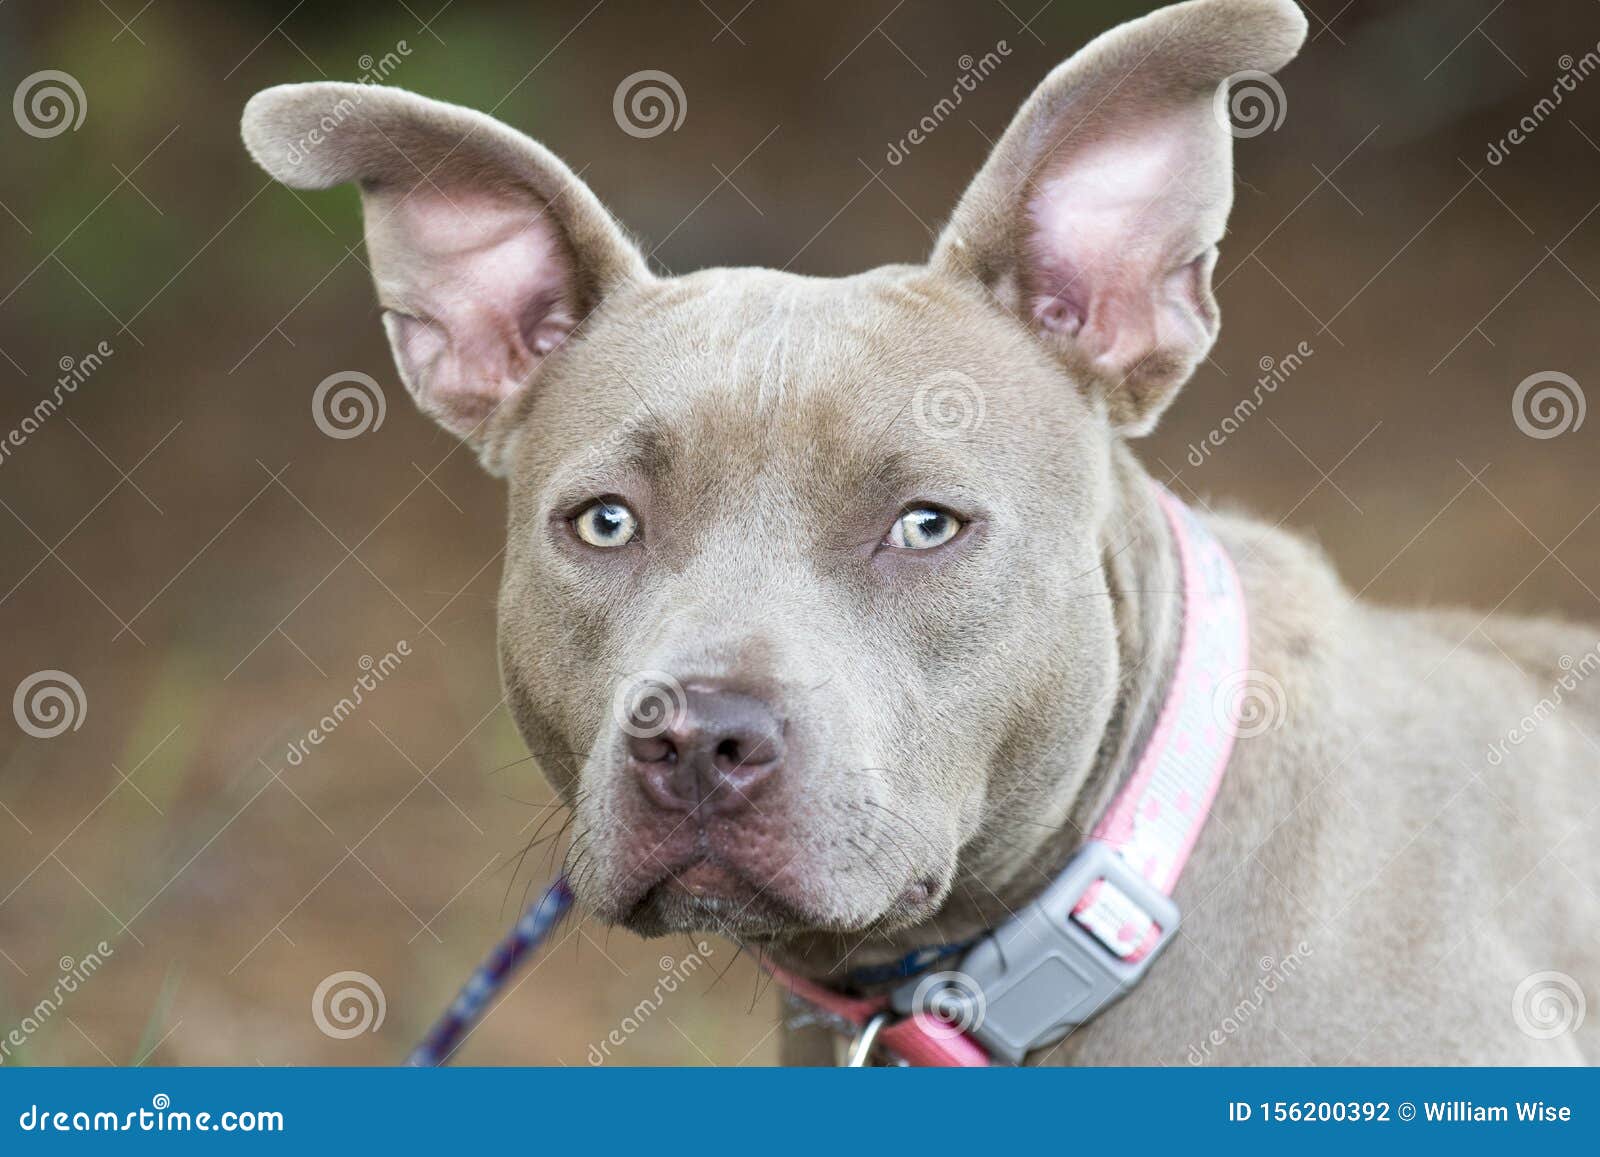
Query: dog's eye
point(606, 524)
point(923, 528)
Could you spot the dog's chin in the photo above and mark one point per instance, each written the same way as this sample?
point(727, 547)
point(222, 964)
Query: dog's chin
point(666, 909)
point(710, 896)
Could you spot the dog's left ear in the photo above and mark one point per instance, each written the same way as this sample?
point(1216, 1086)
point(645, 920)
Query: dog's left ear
point(1097, 216)
point(487, 250)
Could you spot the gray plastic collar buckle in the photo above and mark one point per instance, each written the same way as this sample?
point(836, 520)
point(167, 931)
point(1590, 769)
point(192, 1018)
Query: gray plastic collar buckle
point(1041, 974)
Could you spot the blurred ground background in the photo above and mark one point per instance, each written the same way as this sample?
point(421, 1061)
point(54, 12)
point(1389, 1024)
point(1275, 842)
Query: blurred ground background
point(184, 542)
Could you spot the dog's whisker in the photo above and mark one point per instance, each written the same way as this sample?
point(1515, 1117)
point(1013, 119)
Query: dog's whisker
point(530, 757)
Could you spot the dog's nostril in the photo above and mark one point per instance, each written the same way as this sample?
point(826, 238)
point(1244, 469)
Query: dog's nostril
point(746, 752)
point(719, 748)
point(651, 749)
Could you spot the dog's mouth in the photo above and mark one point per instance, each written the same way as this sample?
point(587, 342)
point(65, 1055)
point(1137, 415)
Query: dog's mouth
point(767, 873)
point(707, 894)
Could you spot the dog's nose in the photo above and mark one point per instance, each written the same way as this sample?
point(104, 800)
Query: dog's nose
point(717, 749)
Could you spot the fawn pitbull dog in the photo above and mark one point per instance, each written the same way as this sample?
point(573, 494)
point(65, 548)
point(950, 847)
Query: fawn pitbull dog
point(853, 604)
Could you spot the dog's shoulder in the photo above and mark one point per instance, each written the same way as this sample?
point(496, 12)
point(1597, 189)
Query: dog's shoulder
point(1544, 648)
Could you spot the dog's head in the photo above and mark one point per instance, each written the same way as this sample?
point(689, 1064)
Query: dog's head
point(805, 578)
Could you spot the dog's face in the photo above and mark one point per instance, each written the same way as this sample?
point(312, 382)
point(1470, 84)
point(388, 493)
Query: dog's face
point(804, 579)
point(799, 605)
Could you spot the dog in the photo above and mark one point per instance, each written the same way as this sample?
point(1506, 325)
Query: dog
point(855, 604)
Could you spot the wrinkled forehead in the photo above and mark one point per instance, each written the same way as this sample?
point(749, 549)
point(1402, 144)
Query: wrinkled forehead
point(885, 385)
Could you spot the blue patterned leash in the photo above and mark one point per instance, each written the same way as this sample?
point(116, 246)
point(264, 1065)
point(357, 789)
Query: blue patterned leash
point(531, 931)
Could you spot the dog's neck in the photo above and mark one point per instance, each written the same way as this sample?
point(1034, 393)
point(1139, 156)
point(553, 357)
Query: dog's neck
point(1036, 825)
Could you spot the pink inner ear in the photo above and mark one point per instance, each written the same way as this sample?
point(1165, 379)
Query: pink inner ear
point(1114, 227)
point(478, 289)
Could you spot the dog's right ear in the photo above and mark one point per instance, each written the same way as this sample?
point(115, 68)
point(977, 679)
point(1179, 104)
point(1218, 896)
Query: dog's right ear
point(486, 249)
point(1097, 216)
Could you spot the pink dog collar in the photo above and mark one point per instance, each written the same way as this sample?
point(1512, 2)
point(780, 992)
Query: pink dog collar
point(1091, 935)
